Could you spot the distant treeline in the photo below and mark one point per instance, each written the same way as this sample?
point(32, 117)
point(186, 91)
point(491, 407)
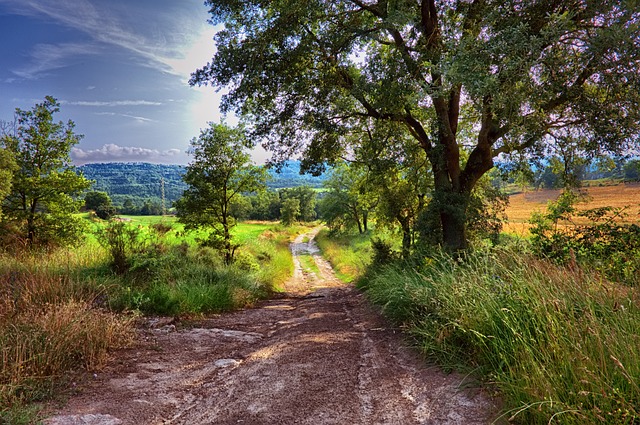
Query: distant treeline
point(136, 187)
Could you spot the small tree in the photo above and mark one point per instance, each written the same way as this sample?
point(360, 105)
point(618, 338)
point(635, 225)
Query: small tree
point(219, 173)
point(42, 198)
point(100, 203)
point(290, 211)
point(632, 170)
point(7, 167)
point(306, 201)
point(348, 200)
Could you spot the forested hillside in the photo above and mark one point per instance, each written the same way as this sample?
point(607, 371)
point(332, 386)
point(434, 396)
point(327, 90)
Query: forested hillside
point(141, 181)
point(138, 181)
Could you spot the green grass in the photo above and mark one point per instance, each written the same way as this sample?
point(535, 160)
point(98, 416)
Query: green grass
point(348, 254)
point(54, 306)
point(560, 346)
point(308, 264)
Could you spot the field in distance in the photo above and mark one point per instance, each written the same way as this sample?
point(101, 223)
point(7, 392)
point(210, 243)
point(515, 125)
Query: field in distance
point(522, 205)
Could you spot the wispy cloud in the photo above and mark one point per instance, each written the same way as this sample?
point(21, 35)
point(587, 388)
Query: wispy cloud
point(133, 117)
point(47, 57)
point(112, 152)
point(112, 103)
point(172, 54)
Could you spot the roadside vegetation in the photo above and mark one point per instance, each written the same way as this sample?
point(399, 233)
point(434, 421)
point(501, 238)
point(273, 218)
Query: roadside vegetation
point(64, 310)
point(425, 111)
point(548, 321)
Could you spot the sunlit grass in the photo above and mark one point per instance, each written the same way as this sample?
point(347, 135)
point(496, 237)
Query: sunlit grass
point(561, 346)
point(56, 307)
point(348, 254)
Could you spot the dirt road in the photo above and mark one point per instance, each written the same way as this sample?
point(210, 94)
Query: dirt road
point(320, 355)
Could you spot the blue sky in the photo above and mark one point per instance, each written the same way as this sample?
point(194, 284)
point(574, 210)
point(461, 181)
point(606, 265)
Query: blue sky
point(119, 68)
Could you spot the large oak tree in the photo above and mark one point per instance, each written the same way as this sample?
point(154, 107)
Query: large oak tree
point(308, 73)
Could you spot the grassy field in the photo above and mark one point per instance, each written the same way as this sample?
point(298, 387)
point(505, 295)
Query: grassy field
point(64, 310)
point(522, 205)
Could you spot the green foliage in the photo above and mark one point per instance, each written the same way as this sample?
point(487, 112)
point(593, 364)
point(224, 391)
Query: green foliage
point(121, 241)
point(138, 181)
point(219, 174)
point(54, 305)
point(7, 167)
point(290, 211)
point(604, 244)
point(349, 254)
point(100, 203)
point(42, 201)
point(560, 345)
point(347, 202)
point(306, 201)
point(632, 170)
point(130, 185)
point(466, 82)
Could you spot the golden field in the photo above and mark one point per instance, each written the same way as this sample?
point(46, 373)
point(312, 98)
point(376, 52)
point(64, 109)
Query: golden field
point(522, 205)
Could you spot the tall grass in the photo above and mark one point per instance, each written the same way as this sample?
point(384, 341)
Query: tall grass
point(48, 326)
point(56, 308)
point(561, 346)
point(348, 254)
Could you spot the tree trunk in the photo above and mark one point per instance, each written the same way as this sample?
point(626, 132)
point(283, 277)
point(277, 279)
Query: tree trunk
point(359, 224)
point(405, 224)
point(454, 230)
point(365, 219)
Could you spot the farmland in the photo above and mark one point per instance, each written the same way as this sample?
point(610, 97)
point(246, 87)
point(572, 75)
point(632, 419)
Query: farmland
point(523, 204)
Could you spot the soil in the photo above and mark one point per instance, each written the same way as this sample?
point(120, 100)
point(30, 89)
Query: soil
point(318, 355)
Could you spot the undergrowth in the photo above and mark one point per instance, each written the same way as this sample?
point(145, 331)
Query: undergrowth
point(57, 308)
point(560, 345)
point(49, 325)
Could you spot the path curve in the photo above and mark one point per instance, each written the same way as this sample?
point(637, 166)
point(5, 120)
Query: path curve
point(319, 355)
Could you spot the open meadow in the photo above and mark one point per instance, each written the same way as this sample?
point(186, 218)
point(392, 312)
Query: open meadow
point(65, 310)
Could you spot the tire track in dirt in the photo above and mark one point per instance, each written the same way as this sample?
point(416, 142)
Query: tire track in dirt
point(319, 355)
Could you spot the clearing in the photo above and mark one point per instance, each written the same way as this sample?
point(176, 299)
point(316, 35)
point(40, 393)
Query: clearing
point(320, 354)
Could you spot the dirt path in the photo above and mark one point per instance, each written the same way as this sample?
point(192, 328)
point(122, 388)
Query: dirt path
point(320, 355)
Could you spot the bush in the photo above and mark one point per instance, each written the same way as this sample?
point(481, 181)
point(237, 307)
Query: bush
point(604, 244)
point(121, 241)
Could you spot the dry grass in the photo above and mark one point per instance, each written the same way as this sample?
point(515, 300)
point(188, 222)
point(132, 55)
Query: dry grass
point(522, 205)
point(49, 326)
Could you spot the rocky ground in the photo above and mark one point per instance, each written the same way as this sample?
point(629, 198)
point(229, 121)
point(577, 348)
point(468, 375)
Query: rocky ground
point(318, 355)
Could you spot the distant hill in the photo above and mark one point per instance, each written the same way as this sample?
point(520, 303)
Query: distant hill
point(138, 181)
point(141, 181)
point(289, 176)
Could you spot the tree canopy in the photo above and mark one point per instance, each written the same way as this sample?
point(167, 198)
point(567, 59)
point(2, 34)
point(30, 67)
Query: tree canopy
point(219, 173)
point(42, 198)
point(469, 81)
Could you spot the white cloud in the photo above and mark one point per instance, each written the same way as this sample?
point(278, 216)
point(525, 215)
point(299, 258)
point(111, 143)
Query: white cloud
point(46, 57)
point(112, 103)
point(101, 22)
point(112, 152)
point(137, 118)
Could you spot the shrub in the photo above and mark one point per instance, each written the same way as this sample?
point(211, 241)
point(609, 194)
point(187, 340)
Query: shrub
point(121, 241)
point(604, 244)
